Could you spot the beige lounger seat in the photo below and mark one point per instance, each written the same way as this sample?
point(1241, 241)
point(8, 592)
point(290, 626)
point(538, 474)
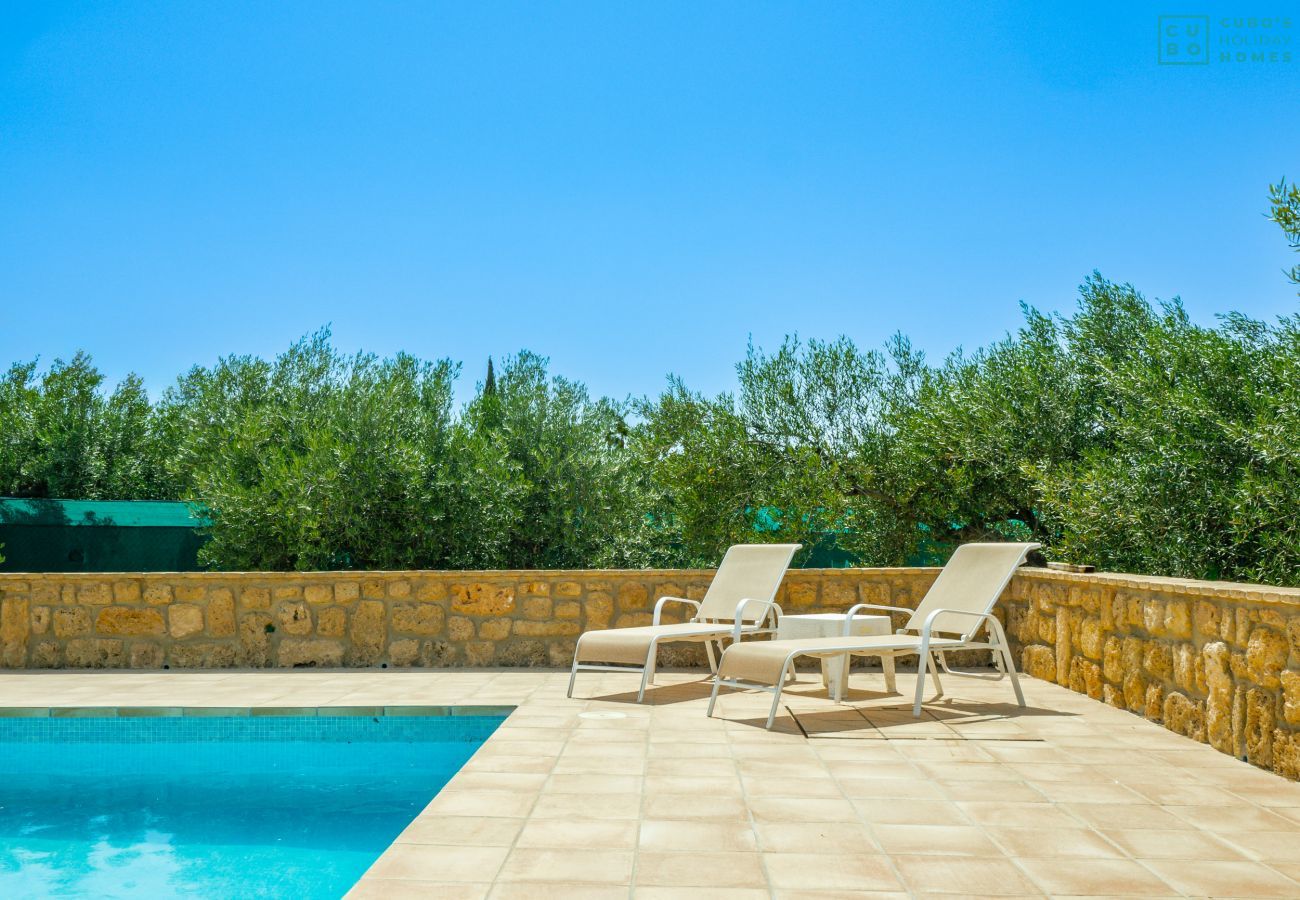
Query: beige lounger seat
point(740, 602)
point(954, 612)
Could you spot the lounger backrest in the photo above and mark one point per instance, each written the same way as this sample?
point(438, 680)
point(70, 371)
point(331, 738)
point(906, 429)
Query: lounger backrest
point(972, 581)
point(752, 571)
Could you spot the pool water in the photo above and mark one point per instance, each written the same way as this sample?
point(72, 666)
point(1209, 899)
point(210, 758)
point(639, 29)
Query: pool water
point(285, 806)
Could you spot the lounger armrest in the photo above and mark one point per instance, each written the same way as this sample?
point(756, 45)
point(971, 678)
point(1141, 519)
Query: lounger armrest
point(982, 617)
point(855, 610)
point(659, 605)
point(772, 609)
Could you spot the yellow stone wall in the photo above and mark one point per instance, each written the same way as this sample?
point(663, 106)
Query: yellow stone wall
point(1215, 661)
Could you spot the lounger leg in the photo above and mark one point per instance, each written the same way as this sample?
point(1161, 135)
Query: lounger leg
point(934, 673)
point(573, 674)
point(713, 662)
point(776, 696)
point(1010, 664)
point(887, 665)
point(922, 659)
point(647, 673)
point(713, 698)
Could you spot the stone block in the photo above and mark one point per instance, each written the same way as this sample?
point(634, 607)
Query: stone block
point(347, 592)
point(1218, 705)
point(221, 613)
point(1178, 619)
point(201, 655)
point(368, 633)
point(1184, 716)
point(459, 628)
point(287, 592)
point(1039, 662)
point(495, 629)
point(95, 653)
point(568, 609)
point(599, 610)
point(482, 599)
point(295, 617)
point(129, 620)
point(399, 589)
point(158, 594)
point(301, 653)
point(544, 629)
point(633, 597)
point(254, 649)
point(405, 652)
point(98, 594)
point(1260, 722)
point(1154, 707)
point(373, 589)
point(146, 654)
point(47, 655)
point(521, 654)
point(1158, 659)
point(1290, 680)
point(70, 621)
point(184, 620)
point(1207, 620)
point(318, 594)
point(332, 622)
point(1135, 691)
point(430, 590)
point(1286, 753)
point(418, 618)
point(40, 619)
point(537, 607)
point(1091, 638)
point(838, 595)
point(255, 598)
point(480, 653)
point(569, 589)
point(191, 592)
point(126, 592)
point(1266, 654)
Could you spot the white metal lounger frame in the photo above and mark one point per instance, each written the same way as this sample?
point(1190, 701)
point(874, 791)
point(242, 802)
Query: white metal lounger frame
point(998, 645)
point(738, 629)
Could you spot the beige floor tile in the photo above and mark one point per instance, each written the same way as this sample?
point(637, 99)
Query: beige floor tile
point(1268, 846)
point(392, 889)
point(1189, 843)
point(426, 862)
point(1055, 842)
point(1017, 815)
point(695, 807)
point(700, 870)
point(593, 784)
point(508, 890)
point(572, 834)
point(484, 804)
point(960, 840)
point(810, 871)
point(669, 835)
point(691, 893)
point(978, 876)
point(910, 812)
point(1227, 819)
point(1002, 791)
point(1095, 877)
point(574, 865)
point(1224, 878)
point(815, 837)
point(587, 806)
point(891, 789)
point(801, 788)
point(793, 809)
point(471, 830)
point(1127, 816)
point(718, 785)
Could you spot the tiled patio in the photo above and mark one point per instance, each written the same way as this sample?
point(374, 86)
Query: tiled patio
point(599, 797)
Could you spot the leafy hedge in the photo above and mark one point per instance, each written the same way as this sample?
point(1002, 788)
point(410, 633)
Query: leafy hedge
point(1123, 435)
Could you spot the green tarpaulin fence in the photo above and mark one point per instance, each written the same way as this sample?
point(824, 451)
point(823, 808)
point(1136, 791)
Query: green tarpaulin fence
point(98, 536)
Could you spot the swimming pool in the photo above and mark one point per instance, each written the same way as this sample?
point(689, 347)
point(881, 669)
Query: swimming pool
point(288, 804)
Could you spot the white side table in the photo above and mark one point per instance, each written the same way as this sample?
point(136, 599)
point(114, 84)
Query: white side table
point(835, 669)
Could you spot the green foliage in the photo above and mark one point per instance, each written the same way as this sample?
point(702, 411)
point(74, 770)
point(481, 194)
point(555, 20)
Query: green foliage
point(1123, 435)
point(1285, 201)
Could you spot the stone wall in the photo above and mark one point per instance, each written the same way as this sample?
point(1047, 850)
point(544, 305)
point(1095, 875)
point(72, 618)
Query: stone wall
point(256, 620)
point(1215, 661)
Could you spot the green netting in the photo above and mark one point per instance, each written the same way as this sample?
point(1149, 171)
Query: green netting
point(98, 536)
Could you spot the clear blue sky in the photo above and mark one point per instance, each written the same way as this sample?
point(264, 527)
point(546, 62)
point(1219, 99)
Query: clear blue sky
point(630, 189)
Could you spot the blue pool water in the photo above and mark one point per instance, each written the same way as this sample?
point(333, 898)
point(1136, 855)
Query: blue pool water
point(222, 807)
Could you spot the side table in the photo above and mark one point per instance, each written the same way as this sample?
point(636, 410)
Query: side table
point(835, 669)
